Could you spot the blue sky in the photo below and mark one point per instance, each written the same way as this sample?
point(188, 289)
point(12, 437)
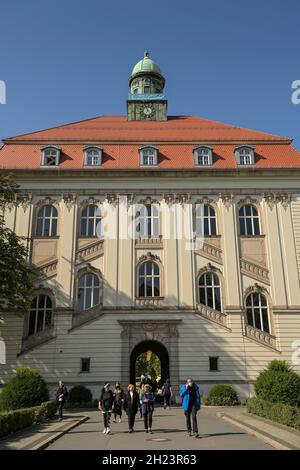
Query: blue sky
point(232, 61)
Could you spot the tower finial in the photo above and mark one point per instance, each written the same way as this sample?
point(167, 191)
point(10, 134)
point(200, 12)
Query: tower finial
point(146, 54)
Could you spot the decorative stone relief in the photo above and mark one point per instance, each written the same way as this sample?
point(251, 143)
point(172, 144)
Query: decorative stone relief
point(91, 200)
point(69, 200)
point(46, 201)
point(24, 201)
point(227, 199)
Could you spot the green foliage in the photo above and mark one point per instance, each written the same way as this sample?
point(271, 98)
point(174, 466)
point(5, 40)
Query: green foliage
point(278, 384)
point(26, 389)
point(284, 414)
point(222, 395)
point(151, 367)
point(86, 405)
point(80, 394)
point(12, 421)
point(15, 273)
point(279, 366)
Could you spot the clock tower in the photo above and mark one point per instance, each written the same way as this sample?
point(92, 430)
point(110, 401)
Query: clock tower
point(146, 100)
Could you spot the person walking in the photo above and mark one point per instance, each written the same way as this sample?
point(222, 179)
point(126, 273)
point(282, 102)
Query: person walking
point(61, 397)
point(118, 402)
point(106, 406)
point(131, 406)
point(191, 403)
point(142, 389)
point(167, 393)
point(147, 402)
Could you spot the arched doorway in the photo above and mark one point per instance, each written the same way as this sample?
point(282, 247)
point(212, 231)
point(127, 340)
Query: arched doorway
point(156, 348)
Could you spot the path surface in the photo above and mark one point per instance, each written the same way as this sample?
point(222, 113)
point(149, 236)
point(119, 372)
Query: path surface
point(169, 433)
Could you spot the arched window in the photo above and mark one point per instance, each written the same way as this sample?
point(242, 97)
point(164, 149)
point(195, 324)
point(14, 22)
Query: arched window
point(46, 222)
point(88, 291)
point(149, 280)
point(245, 155)
point(210, 290)
point(257, 311)
point(205, 220)
point(249, 220)
point(50, 156)
point(203, 156)
point(148, 156)
point(148, 221)
point(40, 315)
point(90, 218)
point(92, 156)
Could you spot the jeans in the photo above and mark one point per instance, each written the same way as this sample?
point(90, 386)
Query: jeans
point(148, 419)
point(191, 419)
point(131, 419)
point(106, 418)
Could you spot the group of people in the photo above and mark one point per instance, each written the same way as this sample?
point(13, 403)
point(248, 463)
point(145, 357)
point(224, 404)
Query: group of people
point(113, 402)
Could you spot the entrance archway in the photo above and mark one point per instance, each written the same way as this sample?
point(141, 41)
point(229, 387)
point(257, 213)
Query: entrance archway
point(156, 348)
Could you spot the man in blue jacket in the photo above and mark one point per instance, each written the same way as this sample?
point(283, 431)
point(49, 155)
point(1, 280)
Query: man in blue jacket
point(191, 403)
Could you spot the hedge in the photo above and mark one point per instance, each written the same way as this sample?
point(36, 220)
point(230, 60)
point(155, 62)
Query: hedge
point(80, 394)
point(25, 390)
point(222, 395)
point(12, 421)
point(89, 404)
point(279, 412)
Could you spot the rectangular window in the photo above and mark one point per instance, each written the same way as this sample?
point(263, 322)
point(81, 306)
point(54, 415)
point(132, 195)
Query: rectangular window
point(213, 363)
point(85, 364)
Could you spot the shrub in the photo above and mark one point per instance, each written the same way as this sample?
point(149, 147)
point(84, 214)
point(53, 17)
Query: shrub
point(12, 421)
point(284, 414)
point(80, 394)
point(26, 389)
point(278, 384)
point(222, 395)
point(89, 404)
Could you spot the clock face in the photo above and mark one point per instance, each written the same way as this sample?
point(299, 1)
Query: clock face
point(147, 110)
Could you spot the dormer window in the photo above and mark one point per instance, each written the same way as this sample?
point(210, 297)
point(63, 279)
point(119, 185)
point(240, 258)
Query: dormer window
point(203, 156)
point(245, 155)
point(92, 156)
point(50, 156)
point(148, 156)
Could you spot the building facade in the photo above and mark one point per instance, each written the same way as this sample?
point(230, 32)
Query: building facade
point(152, 232)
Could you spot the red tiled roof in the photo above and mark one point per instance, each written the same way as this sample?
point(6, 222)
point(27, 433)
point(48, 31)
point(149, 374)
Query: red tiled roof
point(117, 128)
point(120, 140)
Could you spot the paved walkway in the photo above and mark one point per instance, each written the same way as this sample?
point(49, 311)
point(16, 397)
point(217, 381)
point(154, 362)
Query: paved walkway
point(35, 436)
point(169, 433)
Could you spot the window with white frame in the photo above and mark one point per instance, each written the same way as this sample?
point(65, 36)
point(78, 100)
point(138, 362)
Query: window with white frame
point(203, 156)
point(88, 291)
point(257, 311)
point(148, 156)
point(92, 156)
point(148, 221)
point(245, 156)
point(249, 220)
point(149, 280)
point(210, 290)
point(46, 225)
point(89, 222)
point(50, 156)
point(40, 315)
point(205, 220)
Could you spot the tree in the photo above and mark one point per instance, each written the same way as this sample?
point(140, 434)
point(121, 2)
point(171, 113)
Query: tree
point(16, 275)
point(148, 364)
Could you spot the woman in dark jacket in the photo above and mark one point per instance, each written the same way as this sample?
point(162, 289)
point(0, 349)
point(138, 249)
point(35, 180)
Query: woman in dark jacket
point(147, 402)
point(118, 400)
point(106, 405)
point(131, 405)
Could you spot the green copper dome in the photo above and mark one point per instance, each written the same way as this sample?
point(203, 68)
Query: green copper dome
point(146, 65)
